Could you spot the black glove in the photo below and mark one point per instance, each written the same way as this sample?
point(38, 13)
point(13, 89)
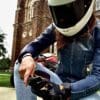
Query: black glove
point(37, 84)
point(48, 90)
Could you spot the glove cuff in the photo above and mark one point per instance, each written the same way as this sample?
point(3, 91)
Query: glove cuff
point(67, 88)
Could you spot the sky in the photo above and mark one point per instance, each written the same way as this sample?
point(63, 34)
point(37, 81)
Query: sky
point(7, 18)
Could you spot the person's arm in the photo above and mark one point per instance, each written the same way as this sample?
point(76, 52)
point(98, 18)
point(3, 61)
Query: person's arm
point(26, 57)
point(40, 43)
point(91, 83)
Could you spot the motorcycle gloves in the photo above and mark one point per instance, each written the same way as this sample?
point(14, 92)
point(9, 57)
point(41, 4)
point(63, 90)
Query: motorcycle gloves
point(48, 90)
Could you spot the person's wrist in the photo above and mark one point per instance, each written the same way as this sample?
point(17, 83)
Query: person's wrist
point(67, 85)
point(28, 58)
point(21, 57)
point(67, 88)
point(27, 54)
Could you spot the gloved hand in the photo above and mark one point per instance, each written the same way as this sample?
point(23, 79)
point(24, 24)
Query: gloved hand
point(48, 90)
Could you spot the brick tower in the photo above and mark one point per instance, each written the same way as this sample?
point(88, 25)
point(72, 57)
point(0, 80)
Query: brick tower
point(30, 21)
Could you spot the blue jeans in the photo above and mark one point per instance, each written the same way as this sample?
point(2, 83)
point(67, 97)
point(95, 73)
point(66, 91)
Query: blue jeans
point(24, 93)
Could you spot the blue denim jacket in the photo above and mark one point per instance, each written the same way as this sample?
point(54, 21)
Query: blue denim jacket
point(79, 62)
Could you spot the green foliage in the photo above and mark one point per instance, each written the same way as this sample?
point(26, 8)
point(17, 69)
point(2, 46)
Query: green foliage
point(2, 36)
point(5, 63)
point(2, 48)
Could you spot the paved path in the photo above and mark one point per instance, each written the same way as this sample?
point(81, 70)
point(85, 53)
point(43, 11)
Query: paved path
point(8, 94)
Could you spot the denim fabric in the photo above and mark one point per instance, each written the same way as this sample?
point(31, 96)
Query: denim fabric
point(79, 61)
point(75, 58)
point(80, 65)
point(22, 92)
point(53, 77)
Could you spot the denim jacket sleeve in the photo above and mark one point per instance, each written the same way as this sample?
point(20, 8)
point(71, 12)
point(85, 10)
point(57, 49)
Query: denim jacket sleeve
point(40, 43)
point(91, 83)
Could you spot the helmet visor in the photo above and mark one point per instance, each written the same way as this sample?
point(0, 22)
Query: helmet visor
point(69, 14)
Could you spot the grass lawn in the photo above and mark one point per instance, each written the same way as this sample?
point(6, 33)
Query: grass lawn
point(5, 79)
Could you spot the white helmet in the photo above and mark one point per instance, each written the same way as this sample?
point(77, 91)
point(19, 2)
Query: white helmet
point(71, 16)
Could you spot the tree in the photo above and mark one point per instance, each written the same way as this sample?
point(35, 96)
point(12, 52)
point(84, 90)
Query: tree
point(5, 63)
point(2, 48)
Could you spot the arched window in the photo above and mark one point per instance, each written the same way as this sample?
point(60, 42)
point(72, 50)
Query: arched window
point(24, 34)
point(30, 32)
point(29, 10)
